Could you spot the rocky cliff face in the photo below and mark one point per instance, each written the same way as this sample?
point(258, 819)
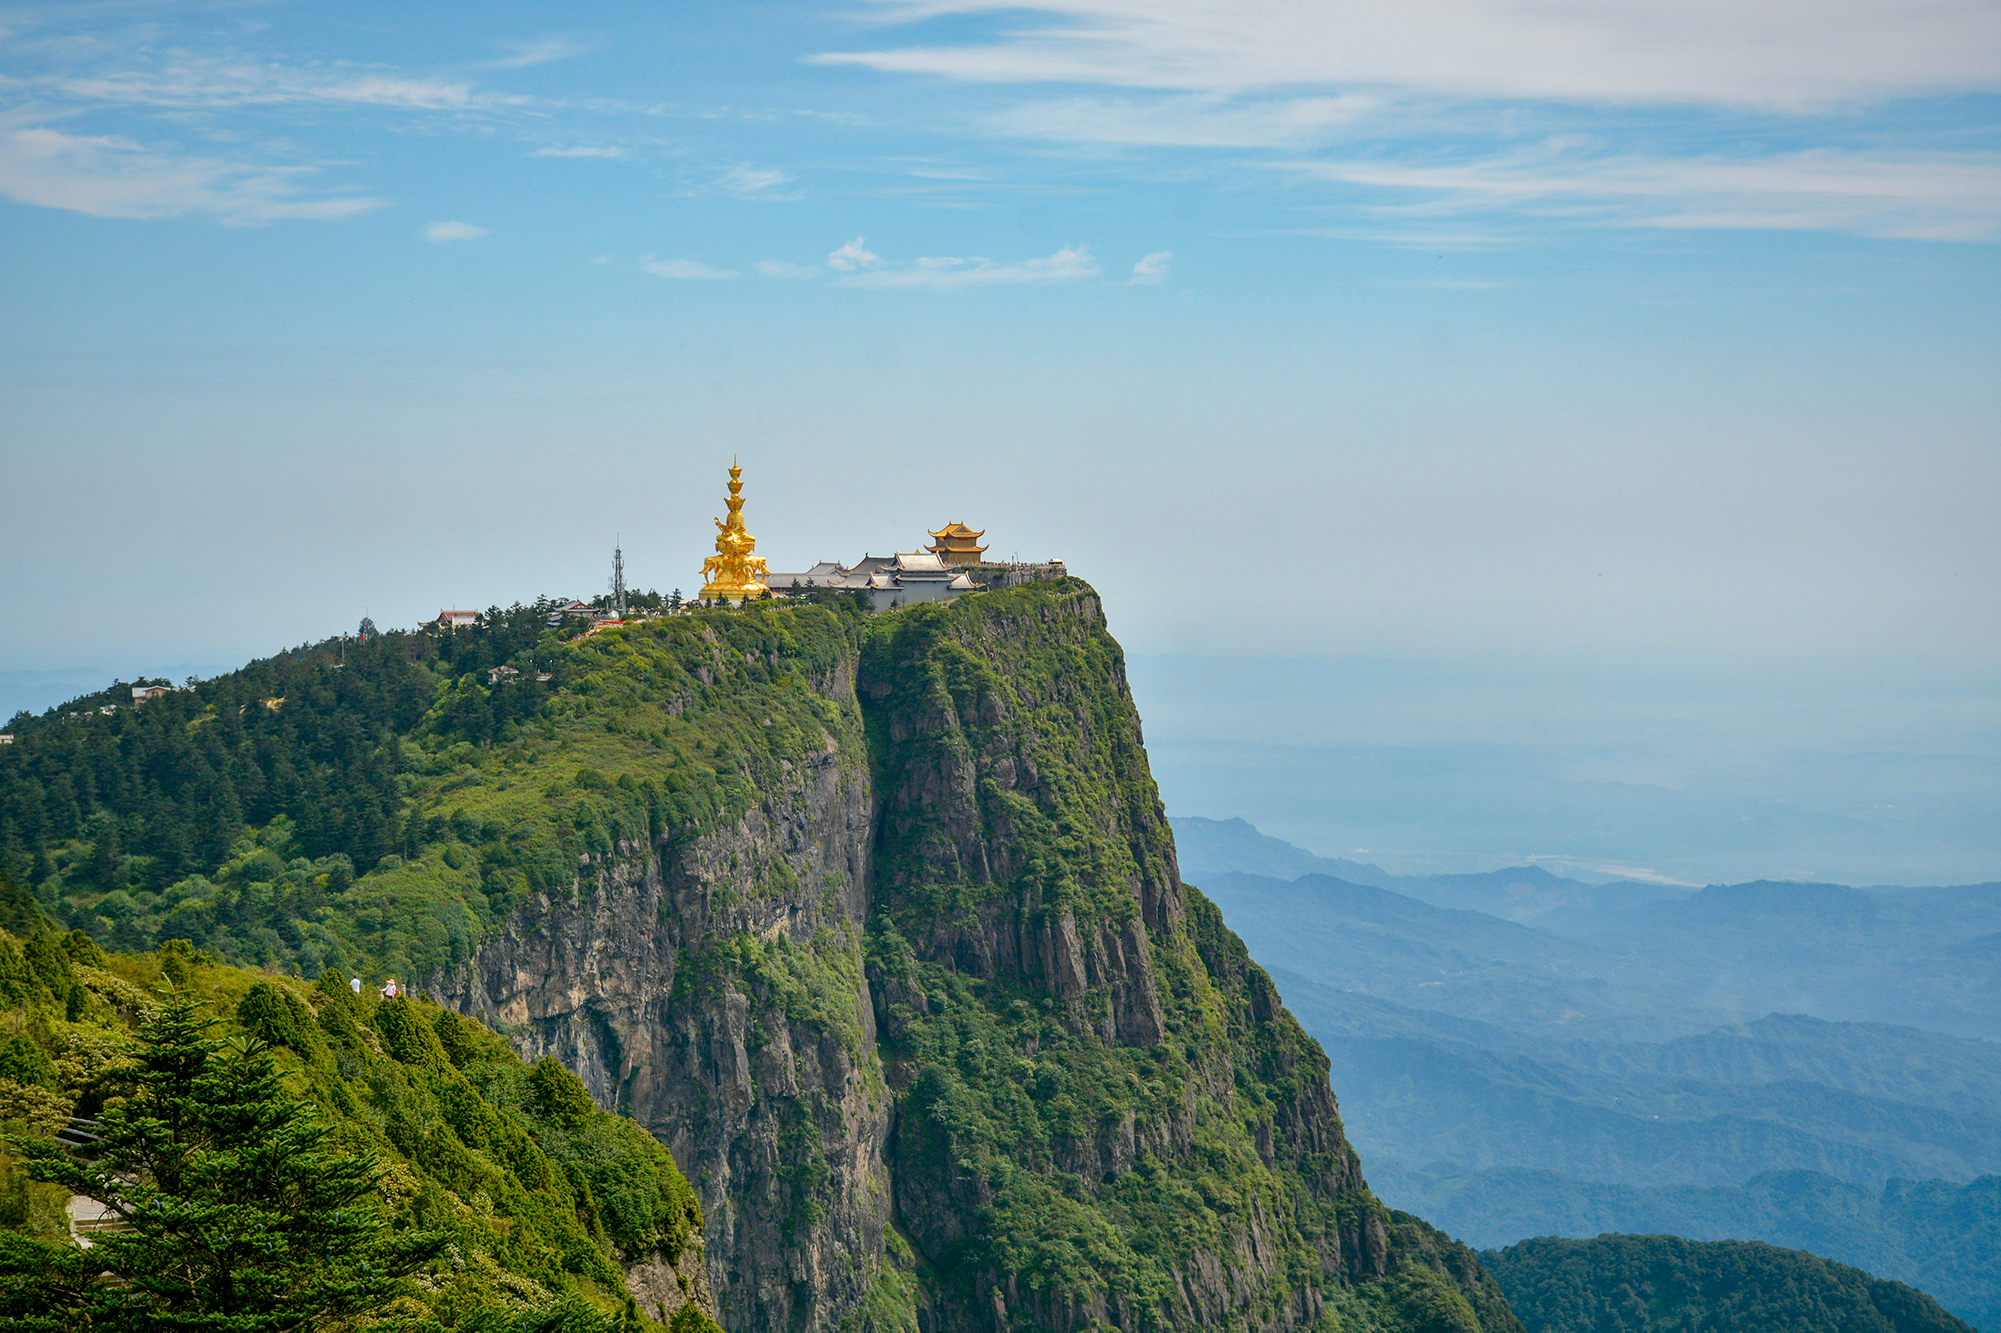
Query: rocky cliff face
point(939, 1034)
point(711, 988)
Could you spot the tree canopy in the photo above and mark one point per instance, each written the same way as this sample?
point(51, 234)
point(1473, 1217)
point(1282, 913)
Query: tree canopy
point(236, 1210)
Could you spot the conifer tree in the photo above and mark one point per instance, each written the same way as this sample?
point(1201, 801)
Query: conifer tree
point(244, 1215)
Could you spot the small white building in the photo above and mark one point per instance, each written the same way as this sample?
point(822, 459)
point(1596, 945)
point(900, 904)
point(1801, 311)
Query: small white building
point(141, 693)
point(584, 610)
point(454, 619)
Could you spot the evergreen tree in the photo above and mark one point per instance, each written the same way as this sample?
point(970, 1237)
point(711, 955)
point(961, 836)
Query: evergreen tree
point(243, 1215)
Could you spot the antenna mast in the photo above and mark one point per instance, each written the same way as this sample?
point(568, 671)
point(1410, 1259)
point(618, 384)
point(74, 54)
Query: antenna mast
point(618, 580)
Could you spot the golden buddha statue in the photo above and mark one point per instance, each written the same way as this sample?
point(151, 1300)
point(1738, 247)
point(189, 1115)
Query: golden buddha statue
point(733, 573)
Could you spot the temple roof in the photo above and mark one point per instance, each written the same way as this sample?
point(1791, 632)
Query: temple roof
point(957, 530)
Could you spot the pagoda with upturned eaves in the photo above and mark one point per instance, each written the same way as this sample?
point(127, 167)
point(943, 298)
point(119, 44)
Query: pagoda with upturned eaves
point(957, 544)
point(733, 573)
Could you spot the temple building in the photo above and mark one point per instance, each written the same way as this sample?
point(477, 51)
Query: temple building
point(957, 544)
point(733, 572)
point(889, 580)
point(940, 572)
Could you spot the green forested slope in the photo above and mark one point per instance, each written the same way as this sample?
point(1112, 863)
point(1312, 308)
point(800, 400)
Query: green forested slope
point(1664, 1284)
point(383, 806)
point(536, 1199)
point(1105, 1114)
point(1102, 1112)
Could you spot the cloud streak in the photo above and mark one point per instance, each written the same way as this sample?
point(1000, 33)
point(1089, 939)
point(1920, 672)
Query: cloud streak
point(690, 270)
point(1318, 79)
point(543, 52)
point(950, 274)
point(454, 231)
point(1777, 54)
point(1187, 121)
point(1940, 196)
point(748, 182)
point(110, 177)
point(216, 83)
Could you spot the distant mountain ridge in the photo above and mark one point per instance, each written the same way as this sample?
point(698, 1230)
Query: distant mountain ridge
point(1715, 1109)
point(1638, 959)
point(1519, 1053)
point(1235, 845)
point(1521, 894)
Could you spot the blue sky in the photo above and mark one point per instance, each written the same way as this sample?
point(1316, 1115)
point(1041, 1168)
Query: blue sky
point(1629, 333)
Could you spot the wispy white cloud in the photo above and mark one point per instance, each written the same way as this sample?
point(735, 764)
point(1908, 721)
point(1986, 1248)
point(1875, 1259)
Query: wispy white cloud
point(542, 51)
point(952, 274)
point(1939, 196)
point(1315, 76)
point(453, 231)
point(778, 268)
point(1185, 121)
point(581, 150)
point(747, 182)
point(188, 82)
point(1152, 269)
point(111, 177)
point(1786, 54)
point(853, 256)
point(691, 269)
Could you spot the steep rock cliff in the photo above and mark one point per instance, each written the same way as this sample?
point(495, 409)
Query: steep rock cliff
point(923, 1009)
point(710, 986)
point(1105, 1116)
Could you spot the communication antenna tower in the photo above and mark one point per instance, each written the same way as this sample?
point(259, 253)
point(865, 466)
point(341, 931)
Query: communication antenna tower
point(618, 580)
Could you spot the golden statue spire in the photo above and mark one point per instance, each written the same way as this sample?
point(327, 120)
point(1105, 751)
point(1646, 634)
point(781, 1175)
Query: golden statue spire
point(733, 572)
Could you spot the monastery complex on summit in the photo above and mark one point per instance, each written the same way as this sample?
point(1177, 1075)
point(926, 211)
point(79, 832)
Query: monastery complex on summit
point(952, 564)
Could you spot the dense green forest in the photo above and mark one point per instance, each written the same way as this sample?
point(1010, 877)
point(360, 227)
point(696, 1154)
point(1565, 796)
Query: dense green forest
point(241, 813)
point(358, 1130)
point(1664, 1284)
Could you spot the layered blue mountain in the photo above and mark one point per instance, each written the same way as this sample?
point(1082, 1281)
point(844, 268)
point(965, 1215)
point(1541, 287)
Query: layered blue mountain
point(1520, 1053)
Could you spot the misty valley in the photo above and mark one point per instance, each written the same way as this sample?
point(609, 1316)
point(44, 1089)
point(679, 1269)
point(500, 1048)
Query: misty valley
point(1521, 1054)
